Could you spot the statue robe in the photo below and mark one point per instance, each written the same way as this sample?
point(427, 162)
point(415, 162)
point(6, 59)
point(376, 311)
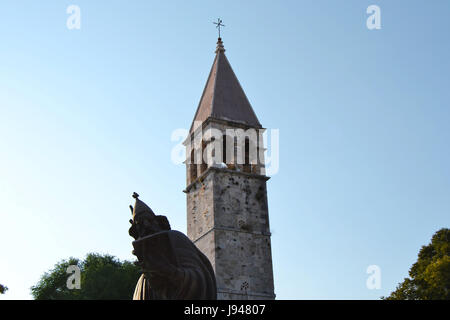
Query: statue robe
point(193, 277)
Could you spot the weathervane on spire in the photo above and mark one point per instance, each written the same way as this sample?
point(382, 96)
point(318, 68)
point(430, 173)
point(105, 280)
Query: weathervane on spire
point(219, 24)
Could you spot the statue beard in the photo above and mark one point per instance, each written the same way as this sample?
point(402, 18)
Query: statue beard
point(147, 228)
point(143, 229)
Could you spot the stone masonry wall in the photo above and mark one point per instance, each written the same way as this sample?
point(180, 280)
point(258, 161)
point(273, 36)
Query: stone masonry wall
point(228, 221)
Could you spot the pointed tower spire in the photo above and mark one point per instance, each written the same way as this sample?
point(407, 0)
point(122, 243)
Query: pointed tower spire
point(223, 97)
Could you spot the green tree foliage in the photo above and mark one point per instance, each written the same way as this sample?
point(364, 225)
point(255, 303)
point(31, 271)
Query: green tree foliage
point(102, 277)
point(430, 275)
point(3, 289)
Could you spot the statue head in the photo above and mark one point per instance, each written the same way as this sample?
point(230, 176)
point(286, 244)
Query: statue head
point(144, 221)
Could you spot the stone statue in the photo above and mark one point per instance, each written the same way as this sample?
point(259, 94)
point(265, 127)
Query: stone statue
point(173, 267)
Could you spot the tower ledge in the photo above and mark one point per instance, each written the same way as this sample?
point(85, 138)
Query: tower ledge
point(229, 123)
point(210, 169)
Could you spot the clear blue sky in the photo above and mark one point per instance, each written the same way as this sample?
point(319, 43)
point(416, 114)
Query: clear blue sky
point(86, 118)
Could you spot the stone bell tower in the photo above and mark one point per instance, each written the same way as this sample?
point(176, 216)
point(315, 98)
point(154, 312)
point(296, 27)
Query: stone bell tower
point(227, 212)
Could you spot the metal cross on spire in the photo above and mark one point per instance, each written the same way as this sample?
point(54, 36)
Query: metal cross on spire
point(219, 24)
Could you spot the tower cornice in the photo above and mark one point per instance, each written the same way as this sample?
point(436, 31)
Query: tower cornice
point(223, 170)
point(229, 123)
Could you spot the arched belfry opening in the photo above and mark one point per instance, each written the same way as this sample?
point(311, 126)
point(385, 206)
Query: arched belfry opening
point(224, 150)
point(247, 166)
point(192, 166)
point(204, 159)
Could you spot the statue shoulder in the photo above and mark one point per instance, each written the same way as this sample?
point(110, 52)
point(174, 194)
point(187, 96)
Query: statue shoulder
point(178, 235)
